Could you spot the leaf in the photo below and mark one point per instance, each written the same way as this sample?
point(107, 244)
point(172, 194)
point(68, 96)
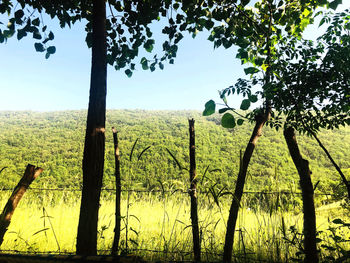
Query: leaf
point(128, 72)
point(36, 35)
point(176, 161)
point(223, 110)
point(132, 149)
point(245, 104)
point(21, 34)
point(144, 150)
point(51, 50)
point(334, 4)
point(19, 14)
point(51, 36)
point(149, 45)
point(253, 98)
point(36, 22)
point(250, 70)
point(244, 2)
point(338, 221)
point(228, 121)
point(144, 63)
point(209, 108)
point(240, 122)
point(41, 230)
point(39, 47)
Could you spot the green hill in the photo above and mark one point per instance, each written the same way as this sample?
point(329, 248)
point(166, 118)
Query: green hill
point(55, 140)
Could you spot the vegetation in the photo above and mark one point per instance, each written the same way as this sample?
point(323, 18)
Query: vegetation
point(54, 141)
point(269, 225)
point(159, 227)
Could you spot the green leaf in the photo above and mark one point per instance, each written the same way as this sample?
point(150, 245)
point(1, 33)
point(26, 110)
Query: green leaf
point(245, 104)
point(223, 110)
point(36, 22)
point(334, 4)
point(39, 47)
point(51, 50)
point(253, 98)
point(250, 70)
point(209, 108)
point(244, 2)
point(128, 72)
point(240, 122)
point(36, 35)
point(47, 55)
point(144, 63)
point(21, 34)
point(51, 36)
point(338, 221)
point(8, 33)
point(18, 15)
point(149, 45)
point(228, 121)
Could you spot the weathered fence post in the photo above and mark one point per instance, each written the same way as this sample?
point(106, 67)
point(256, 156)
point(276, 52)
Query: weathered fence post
point(193, 194)
point(117, 194)
point(307, 190)
point(29, 176)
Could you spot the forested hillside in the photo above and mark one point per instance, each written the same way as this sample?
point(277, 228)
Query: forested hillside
point(54, 141)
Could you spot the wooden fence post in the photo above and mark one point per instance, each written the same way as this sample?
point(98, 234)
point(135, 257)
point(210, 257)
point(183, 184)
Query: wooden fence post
point(117, 194)
point(193, 194)
point(29, 176)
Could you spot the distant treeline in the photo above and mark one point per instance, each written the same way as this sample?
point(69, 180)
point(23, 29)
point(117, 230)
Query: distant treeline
point(55, 140)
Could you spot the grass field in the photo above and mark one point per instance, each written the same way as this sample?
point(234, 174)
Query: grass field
point(158, 227)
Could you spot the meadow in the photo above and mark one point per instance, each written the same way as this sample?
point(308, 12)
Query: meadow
point(156, 219)
point(156, 226)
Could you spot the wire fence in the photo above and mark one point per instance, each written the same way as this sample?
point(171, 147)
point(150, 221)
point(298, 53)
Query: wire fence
point(185, 254)
point(172, 191)
point(104, 253)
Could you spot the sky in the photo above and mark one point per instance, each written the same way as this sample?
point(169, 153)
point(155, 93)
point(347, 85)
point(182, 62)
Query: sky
point(28, 81)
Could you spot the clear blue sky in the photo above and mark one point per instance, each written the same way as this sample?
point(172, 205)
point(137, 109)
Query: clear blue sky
point(28, 81)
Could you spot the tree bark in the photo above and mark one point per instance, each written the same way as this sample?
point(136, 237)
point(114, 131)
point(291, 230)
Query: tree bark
point(260, 120)
point(30, 174)
point(117, 194)
point(193, 194)
point(345, 181)
point(307, 190)
point(94, 148)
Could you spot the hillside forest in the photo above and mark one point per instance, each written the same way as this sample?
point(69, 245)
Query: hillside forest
point(54, 141)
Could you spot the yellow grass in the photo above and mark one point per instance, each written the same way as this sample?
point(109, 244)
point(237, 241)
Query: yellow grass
point(156, 224)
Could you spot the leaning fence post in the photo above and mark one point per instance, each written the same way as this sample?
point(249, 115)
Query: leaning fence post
point(193, 194)
point(29, 176)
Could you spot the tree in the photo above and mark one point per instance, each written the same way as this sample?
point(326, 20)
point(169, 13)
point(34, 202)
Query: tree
point(115, 40)
point(265, 25)
point(310, 90)
point(313, 92)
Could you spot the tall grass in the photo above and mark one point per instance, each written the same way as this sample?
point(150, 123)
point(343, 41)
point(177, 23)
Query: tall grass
point(157, 226)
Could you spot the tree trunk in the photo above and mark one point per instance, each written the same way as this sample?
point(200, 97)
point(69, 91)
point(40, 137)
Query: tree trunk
point(30, 174)
point(193, 194)
point(93, 159)
point(345, 181)
point(232, 219)
point(117, 194)
point(307, 190)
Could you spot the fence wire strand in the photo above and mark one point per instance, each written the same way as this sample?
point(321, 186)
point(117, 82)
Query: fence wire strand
point(181, 191)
